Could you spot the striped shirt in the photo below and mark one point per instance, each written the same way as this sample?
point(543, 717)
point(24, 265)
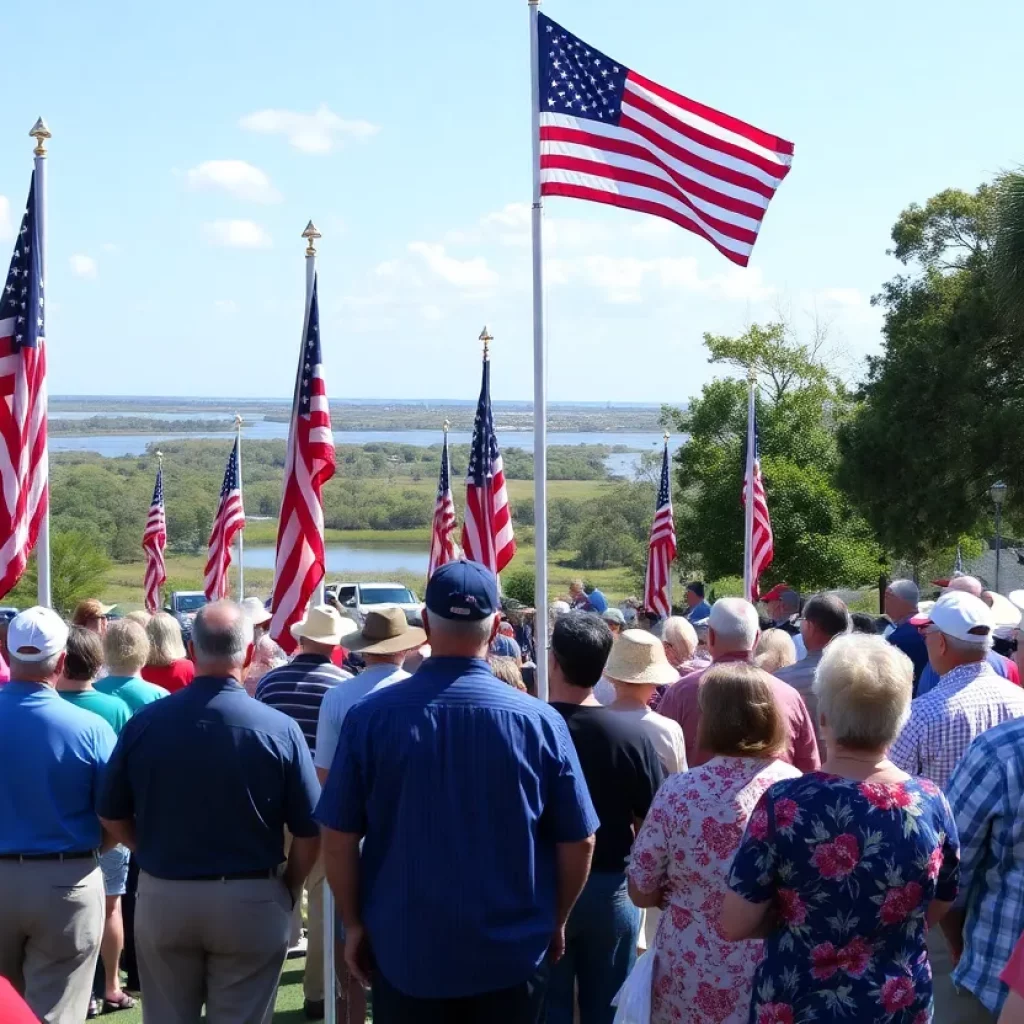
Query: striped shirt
point(986, 794)
point(969, 700)
point(298, 689)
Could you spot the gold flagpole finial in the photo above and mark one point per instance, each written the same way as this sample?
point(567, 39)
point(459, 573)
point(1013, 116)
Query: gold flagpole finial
point(666, 436)
point(445, 426)
point(40, 133)
point(751, 374)
point(238, 421)
point(160, 458)
point(311, 234)
point(486, 338)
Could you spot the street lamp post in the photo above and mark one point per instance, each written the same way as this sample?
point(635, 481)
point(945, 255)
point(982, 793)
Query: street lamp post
point(998, 493)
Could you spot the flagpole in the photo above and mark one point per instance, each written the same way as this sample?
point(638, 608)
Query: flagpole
point(41, 133)
point(241, 498)
point(669, 592)
point(540, 380)
point(748, 485)
point(330, 973)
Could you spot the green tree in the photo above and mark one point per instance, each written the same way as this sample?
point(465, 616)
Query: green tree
point(819, 540)
point(78, 569)
point(520, 585)
point(1008, 249)
point(939, 404)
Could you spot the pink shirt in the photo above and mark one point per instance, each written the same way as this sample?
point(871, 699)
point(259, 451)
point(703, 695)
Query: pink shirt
point(681, 704)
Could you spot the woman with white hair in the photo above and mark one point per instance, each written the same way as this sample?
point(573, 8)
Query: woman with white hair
point(844, 870)
point(775, 649)
point(679, 639)
point(168, 665)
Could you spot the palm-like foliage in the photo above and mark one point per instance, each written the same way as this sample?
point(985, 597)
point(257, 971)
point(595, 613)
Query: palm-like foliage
point(1008, 252)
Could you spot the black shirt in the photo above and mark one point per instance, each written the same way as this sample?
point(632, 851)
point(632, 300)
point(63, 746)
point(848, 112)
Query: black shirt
point(622, 771)
point(211, 777)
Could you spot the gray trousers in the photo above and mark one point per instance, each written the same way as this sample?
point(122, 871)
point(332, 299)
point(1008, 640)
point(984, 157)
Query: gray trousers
point(51, 922)
point(952, 1005)
point(221, 944)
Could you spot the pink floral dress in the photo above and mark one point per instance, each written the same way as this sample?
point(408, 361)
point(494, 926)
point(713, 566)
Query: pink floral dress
point(685, 848)
point(851, 868)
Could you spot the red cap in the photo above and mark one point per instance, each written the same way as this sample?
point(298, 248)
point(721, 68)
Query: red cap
point(776, 592)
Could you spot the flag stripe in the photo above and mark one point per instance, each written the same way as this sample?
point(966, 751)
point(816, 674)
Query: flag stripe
point(442, 534)
point(662, 546)
point(228, 520)
point(154, 541)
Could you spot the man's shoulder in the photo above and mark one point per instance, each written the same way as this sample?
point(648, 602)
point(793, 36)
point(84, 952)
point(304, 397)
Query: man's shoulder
point(1003, 743)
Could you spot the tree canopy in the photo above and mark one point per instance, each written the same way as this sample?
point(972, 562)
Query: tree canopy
point(938, 406)
point(819, 540)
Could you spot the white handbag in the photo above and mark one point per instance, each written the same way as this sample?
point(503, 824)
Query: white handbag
point(633, 1000)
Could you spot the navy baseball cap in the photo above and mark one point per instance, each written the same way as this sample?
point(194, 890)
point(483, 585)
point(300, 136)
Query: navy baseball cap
point(462, 591)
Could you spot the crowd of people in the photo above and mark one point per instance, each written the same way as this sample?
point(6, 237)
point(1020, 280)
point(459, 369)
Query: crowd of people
point(792, 815)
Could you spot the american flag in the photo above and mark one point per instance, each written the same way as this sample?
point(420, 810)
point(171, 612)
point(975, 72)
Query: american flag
point(487, 527)
point(230, 518)
point(309, 464)
point(759, 543)
point(154, 540)
point(24, 489)
point(442, 538)
point(609, 135)
point(662, 548)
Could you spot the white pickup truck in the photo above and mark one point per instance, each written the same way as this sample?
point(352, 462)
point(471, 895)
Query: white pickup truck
point(359, 598)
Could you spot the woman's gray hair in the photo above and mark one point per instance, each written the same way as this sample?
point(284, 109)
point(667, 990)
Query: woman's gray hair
point(864, 686)
point(125, 647)
point(679, 632)
point(165, 643)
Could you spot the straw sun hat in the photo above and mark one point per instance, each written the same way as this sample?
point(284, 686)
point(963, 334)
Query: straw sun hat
point(638, 657)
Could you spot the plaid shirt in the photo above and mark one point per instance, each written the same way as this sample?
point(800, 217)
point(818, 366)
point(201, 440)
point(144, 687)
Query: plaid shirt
point(986, 794)
point(968, 700)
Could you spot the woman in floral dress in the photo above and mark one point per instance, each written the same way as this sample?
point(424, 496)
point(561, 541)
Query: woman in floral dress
point(844, 869)
point(681, 857)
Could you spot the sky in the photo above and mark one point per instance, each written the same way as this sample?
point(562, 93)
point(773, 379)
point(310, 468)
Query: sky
point(192, 143)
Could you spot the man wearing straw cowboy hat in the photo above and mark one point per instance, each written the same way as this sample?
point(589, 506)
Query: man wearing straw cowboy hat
point(298, 689)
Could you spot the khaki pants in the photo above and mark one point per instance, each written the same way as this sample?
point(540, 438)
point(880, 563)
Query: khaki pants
point(952, 1005)
point(218, 943)
point(313, 979)
point(51, 922)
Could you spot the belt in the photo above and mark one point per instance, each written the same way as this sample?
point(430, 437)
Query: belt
point(75, 855)
point(236, 876)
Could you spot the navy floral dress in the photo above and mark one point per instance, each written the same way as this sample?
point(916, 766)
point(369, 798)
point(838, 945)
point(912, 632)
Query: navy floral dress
point(850, 868)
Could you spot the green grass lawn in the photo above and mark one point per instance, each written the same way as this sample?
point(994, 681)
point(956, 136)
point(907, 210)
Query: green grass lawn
point(289, 999)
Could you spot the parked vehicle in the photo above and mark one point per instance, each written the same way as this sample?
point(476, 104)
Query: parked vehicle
point(356, 599)
point(184, 604)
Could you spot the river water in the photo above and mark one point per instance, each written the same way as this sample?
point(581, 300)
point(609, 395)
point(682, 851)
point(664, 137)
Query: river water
point(342, 558)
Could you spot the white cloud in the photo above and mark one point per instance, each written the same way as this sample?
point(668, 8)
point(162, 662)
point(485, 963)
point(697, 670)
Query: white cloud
point(237, 178)
point(228, 307)
point(83, 266)
point(319, 132)
point(473, 273)
point(236, 234)
point(6, 227)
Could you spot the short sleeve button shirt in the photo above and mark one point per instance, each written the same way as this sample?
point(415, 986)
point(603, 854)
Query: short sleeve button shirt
point(212, 778)
point(462, 788)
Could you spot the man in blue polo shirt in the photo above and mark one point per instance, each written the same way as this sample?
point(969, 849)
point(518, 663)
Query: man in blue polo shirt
point(51, 888)
point(901, 600)
point(697, 608)
point(202, 785)
point(477, 822)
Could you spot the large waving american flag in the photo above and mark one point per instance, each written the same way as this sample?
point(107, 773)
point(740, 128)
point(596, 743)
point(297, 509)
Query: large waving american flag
point(230, 518)
point(661, 551)
point(24, 494)
point(309, 464)
point(487, 528)
point(154, 541)
point(442, 536)
point(609, 135)
point(759, 541)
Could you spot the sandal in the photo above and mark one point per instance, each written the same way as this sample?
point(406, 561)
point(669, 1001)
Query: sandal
point(94, 1008)
point(122, 1002)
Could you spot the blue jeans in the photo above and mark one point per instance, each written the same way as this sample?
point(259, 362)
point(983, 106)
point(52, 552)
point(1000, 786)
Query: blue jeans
point(600, 950)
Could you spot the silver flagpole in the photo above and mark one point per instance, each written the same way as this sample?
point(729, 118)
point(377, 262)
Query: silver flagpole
point(241, 498)
point(540, 379)
point(748, 491)
point(41, 133)
point(330, 973)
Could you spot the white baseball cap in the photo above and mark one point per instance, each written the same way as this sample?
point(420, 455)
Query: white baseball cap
point(961, 616)
point(36, 634)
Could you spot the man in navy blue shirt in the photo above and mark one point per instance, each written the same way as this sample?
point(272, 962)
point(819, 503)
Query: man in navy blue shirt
point(477, 823)
point(51, 888)
point(901, 600)
point(697, 608)
point(202, 785)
